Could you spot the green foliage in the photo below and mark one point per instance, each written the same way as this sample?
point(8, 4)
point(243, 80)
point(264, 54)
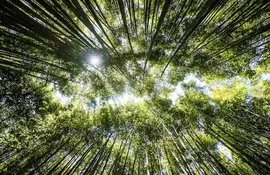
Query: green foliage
point(61, 114)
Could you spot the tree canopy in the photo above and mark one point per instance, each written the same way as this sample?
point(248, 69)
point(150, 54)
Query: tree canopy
point(135, 87)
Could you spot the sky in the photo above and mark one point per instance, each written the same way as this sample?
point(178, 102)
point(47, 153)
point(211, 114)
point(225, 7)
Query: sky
point(177, 91)
point(223, 149)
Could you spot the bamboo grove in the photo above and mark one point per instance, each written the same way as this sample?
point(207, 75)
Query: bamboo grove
point(181, 87)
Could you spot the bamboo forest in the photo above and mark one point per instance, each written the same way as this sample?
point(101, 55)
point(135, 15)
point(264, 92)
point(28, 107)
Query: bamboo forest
point(139, 87)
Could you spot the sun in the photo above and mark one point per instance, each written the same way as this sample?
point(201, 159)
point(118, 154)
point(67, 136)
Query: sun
point(95, 60)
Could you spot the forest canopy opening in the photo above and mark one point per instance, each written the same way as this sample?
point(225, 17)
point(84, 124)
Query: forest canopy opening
point(95, 60)
point(134, 87)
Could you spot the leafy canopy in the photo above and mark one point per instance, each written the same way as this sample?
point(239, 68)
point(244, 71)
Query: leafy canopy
point(134, 87)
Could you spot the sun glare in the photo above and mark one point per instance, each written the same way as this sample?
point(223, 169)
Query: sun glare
point(95, 60)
